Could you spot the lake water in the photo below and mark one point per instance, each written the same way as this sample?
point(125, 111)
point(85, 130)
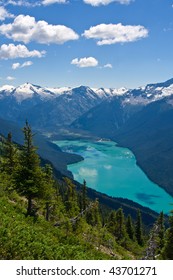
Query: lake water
point(112, 170)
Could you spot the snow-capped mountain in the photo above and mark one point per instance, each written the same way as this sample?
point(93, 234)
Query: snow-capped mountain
point(28, 91)
point(110, 115)
point(44, 106)
point(140, 119)
point(47, 107)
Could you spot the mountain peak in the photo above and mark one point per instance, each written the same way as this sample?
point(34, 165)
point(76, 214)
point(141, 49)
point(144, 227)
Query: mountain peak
point(7, 88)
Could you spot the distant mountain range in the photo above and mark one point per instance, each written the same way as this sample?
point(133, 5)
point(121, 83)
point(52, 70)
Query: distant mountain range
point(51, 108)
point(141, 118)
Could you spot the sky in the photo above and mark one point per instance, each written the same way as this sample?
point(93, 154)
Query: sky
point(96, 43)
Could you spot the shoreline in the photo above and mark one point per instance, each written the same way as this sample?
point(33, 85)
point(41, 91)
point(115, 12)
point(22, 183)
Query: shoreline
point(99, 140)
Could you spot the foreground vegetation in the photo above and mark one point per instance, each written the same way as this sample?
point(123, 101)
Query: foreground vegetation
point(42, 217)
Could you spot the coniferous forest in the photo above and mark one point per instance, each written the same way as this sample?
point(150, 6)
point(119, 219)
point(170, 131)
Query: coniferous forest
point(45, 217)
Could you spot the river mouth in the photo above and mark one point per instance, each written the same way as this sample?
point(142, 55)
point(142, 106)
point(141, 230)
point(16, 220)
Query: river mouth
point(110, 169)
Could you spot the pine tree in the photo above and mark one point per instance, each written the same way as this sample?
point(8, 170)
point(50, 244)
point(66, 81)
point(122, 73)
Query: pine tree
point(161, 231)
point(83, 201)
point(116, 225)
point(84, 195)
point(120, 224)
point(49, 192)
point(10, 155)
point(93, 214)
point(156, 239)
point(138, 229)
point(28, 174)
point(71, 201)
point(130, 228)
point(167, 252)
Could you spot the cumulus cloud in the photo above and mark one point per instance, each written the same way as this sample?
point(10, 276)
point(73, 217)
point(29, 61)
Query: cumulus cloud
point(12, 51)
point(108, 34)
point(108, 65)
point(49, 2)
point(18, 65)
point(10, 78)
point(23, 3)
point(85, 62)
point(5, 14)
point(106, 2)
point(32, 3)
point(15, 65)
point(27, 29)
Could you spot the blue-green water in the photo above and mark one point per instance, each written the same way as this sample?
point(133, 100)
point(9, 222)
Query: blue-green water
point(112, 170)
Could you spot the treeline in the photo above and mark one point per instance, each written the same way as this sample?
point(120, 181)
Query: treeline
point(33, 199)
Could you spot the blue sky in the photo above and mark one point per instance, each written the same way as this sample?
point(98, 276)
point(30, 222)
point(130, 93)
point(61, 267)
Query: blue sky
point(99, 43)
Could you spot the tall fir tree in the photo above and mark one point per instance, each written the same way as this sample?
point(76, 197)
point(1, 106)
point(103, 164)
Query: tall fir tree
point(29, 175)
point(156, 239)
point(138, 229)
point(83, 201)
point(116, 225)
point(130, 228)
point(49, 192)
point(167, 252)
point(161, 231)
point(93, 215)
point(71, 199)
point(10, 155)
point(120, 225)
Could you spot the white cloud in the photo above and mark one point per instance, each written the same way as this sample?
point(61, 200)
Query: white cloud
point(49, 2)
point(26, 29)
point(9, 78)
point(26, 64)
point(11, 51)
point(23, 3)
point(106, 2)
point(85, 62)
point(15, 65)
point(108, 65)
point(108, 34)
point(31, 4)
point(5, 14)
point(18, 65)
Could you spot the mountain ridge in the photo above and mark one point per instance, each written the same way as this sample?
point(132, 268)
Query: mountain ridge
point(140, 119)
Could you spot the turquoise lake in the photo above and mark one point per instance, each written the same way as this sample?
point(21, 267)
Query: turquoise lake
point(113, 170)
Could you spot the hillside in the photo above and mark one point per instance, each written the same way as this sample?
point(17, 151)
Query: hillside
point(141, 121)
point(73, 226)
point(149, 134)
point(46, 149)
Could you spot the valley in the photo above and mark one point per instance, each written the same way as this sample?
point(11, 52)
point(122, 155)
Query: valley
point(139, 119)
point(112, 170)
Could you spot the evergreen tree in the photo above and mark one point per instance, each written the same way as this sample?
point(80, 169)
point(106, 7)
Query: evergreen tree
point(28, 174)
point(111, 222)
point(130, 228)
point(84, 195)
point(167, 252)
point(49, 192)
point(116, 225)
point(9, 155)
point(83, 201)
point(120, 225)
point(138, 229)
point(71, 201)
point(156, 239)
point(161, 231)
point(93, 214)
